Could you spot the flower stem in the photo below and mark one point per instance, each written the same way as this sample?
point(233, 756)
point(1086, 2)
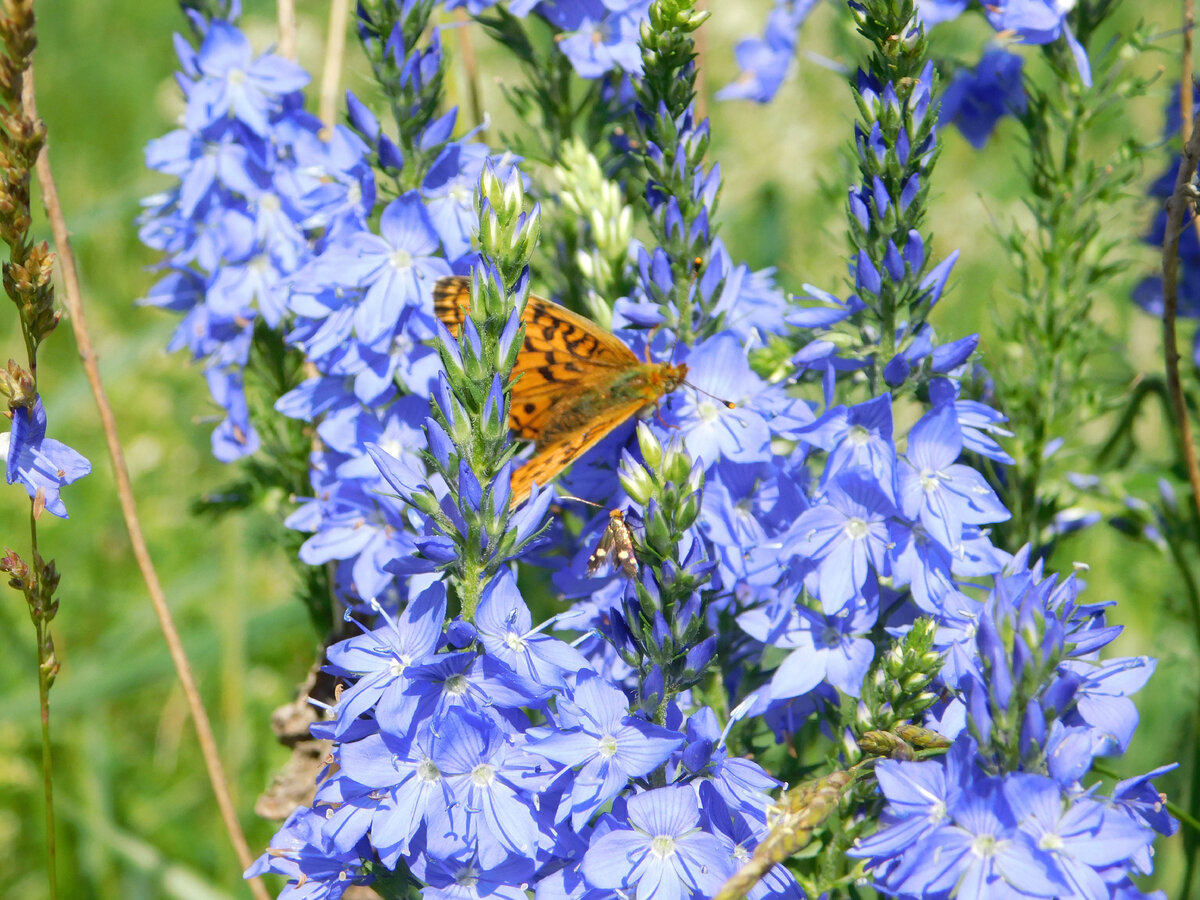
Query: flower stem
point(45, 679)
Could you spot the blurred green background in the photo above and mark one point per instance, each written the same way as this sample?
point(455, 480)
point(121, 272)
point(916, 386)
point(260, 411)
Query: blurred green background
point(136, 818)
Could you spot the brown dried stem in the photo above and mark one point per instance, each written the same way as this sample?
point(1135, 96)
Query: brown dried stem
point(470, 65)
point(286, 14)
point(331, 71)
point(74, 303)
point(1181, 202)
point(793, 822)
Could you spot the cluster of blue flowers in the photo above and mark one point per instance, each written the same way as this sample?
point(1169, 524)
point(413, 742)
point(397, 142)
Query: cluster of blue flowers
point(765, 61)
point(481, 755)
point(254, 189)
point(1033, 706)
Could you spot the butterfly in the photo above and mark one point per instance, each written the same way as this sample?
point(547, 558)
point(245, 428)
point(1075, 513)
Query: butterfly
point(573, 382)
point(615, 547)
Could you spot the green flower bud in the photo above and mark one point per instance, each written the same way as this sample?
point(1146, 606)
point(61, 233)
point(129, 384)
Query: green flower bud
point(652, 450)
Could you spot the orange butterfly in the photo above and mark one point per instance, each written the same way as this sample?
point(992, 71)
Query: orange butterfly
point(573, 382)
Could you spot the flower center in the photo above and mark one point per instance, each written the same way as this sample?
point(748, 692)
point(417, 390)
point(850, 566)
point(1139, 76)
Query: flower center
point(930, 481)
point(236, 76)
point(663, 846)
point(401, 259)
point(467, 876)
point(858, 436)
point(608, 746)
point(456, 685)
point(708, 411)
point(855, 528)
point(1051, 841)
point(984, 845)
point(428, 772)
point(403, 345)
point(483, 775)
point(515, 642)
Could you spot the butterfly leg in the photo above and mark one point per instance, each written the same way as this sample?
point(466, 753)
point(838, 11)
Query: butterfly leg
point(659, 417)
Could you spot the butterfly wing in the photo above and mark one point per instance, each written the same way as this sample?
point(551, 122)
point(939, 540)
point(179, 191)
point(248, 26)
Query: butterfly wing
point(551, 459)
point(573, 382)
point(563, 354)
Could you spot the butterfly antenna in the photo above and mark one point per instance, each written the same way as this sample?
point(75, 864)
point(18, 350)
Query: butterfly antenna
point(580, 500)
point(728, 404)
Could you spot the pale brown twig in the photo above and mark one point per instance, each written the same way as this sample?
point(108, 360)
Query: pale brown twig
point(470, 65)
point(701, 42)
point(286, 14)
point(74, 303)
point(331, 72)
point(1178, 205)
point(1186, 89)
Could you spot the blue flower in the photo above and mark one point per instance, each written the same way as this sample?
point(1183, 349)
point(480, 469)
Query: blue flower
point(379, 659)
point(1082, 835)
point(833, 649)
point(959, 839)
point(746, 509)
point(935, 11)
point(860, 436)
point(765, 61)
point(449, 192)
point(663, 854)
point(606, 38)
point(489, 810)
point(396, 268)
point(1039, 22)
point(976, 100)
point(942, 495)
point(469, 879)
point(847, 535)
point(719, 371)
point(235, 436)
point(752, 304)
point(387, 788)
point(40, 463)
point(299, 852)
point(207, 163)
point(596, 733)
point(504, 624)
point(235, 83)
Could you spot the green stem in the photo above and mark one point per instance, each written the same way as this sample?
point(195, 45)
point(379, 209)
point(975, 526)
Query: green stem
point(470, 587)
point(1193, 800)
point(45, 664)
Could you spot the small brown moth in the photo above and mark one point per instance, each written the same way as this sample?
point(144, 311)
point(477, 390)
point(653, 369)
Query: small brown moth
point(615, 547)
